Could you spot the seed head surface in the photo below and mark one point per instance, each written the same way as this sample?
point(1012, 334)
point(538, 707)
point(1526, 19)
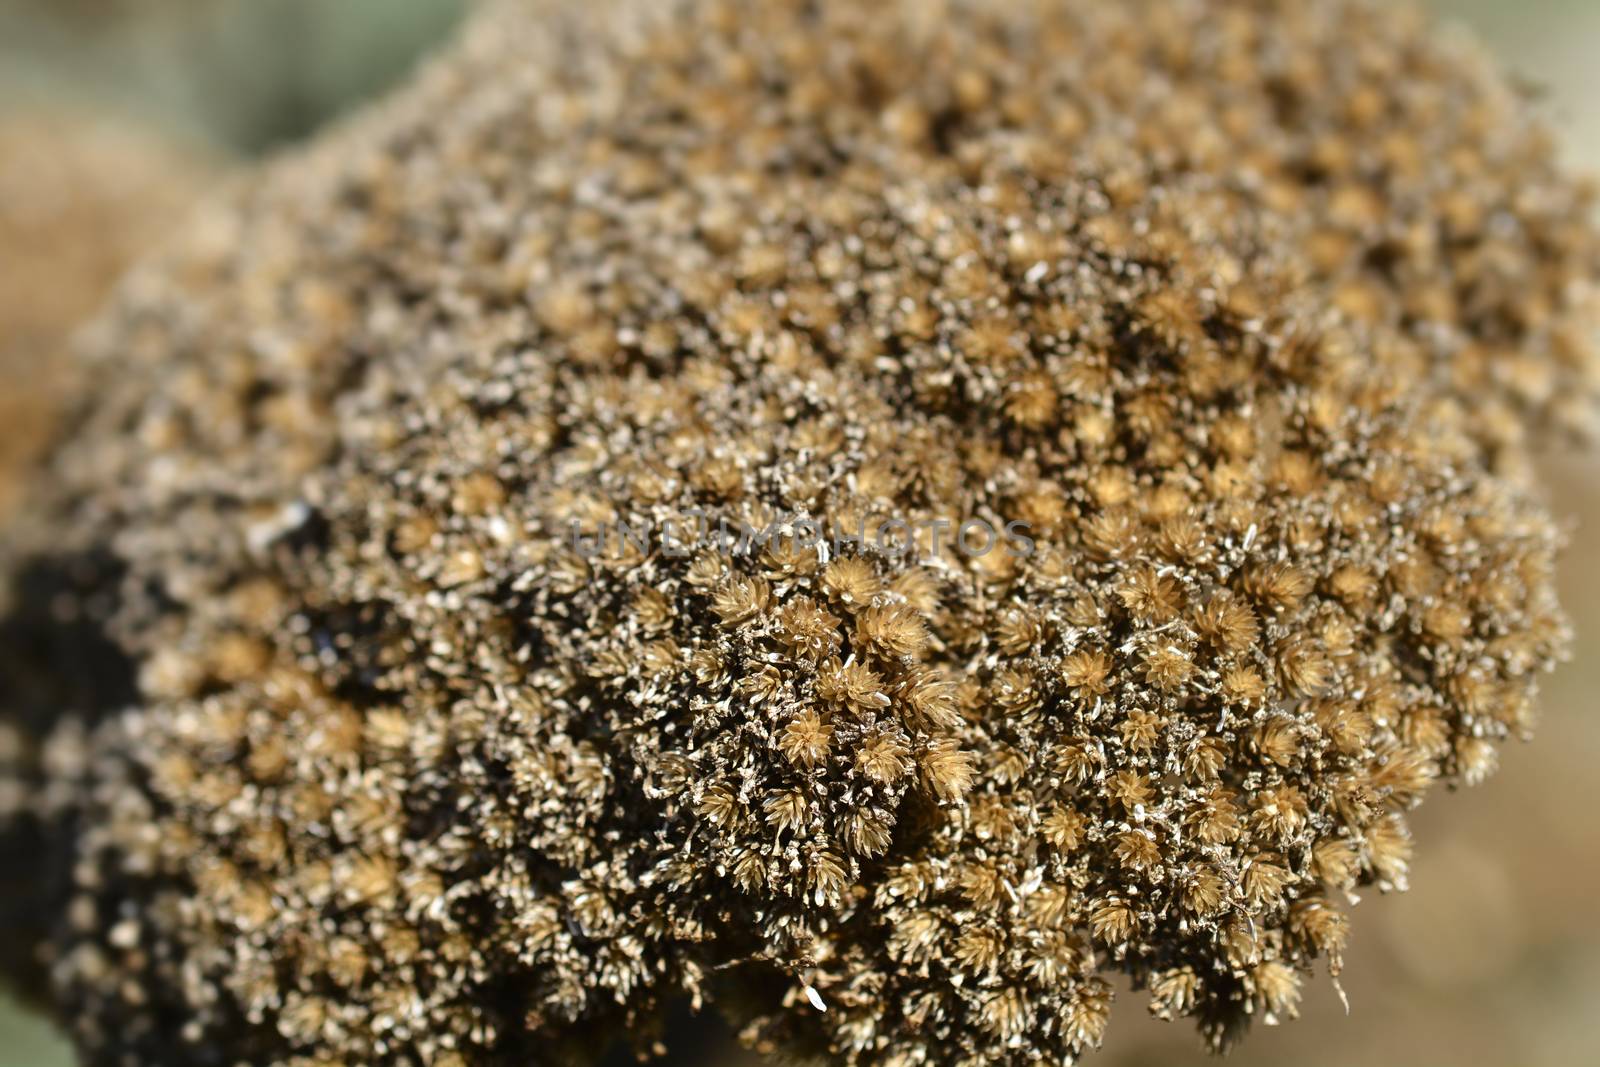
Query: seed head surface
point(1232, 323)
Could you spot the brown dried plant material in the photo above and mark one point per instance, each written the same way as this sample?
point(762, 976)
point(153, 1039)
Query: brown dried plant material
point(381, 765)
point(81, 196)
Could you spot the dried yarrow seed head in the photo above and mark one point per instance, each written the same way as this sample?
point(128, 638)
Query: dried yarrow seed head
point(470, 530)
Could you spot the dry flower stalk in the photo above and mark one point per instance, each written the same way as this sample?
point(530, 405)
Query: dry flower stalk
point(374, 768)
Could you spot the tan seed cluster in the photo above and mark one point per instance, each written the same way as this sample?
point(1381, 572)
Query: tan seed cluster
point(1245, 311)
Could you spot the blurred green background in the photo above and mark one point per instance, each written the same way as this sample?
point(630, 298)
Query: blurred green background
point(245, 75)
point(1494, 955)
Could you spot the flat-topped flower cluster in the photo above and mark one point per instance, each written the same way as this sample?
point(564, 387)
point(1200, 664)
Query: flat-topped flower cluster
point(1246, 311)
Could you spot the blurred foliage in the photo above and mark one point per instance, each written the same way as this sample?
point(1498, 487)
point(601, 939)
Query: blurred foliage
point(26, 1042)
point(245, 74)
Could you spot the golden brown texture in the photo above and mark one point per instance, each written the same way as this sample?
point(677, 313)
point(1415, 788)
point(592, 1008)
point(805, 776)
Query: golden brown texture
point(412, 775)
